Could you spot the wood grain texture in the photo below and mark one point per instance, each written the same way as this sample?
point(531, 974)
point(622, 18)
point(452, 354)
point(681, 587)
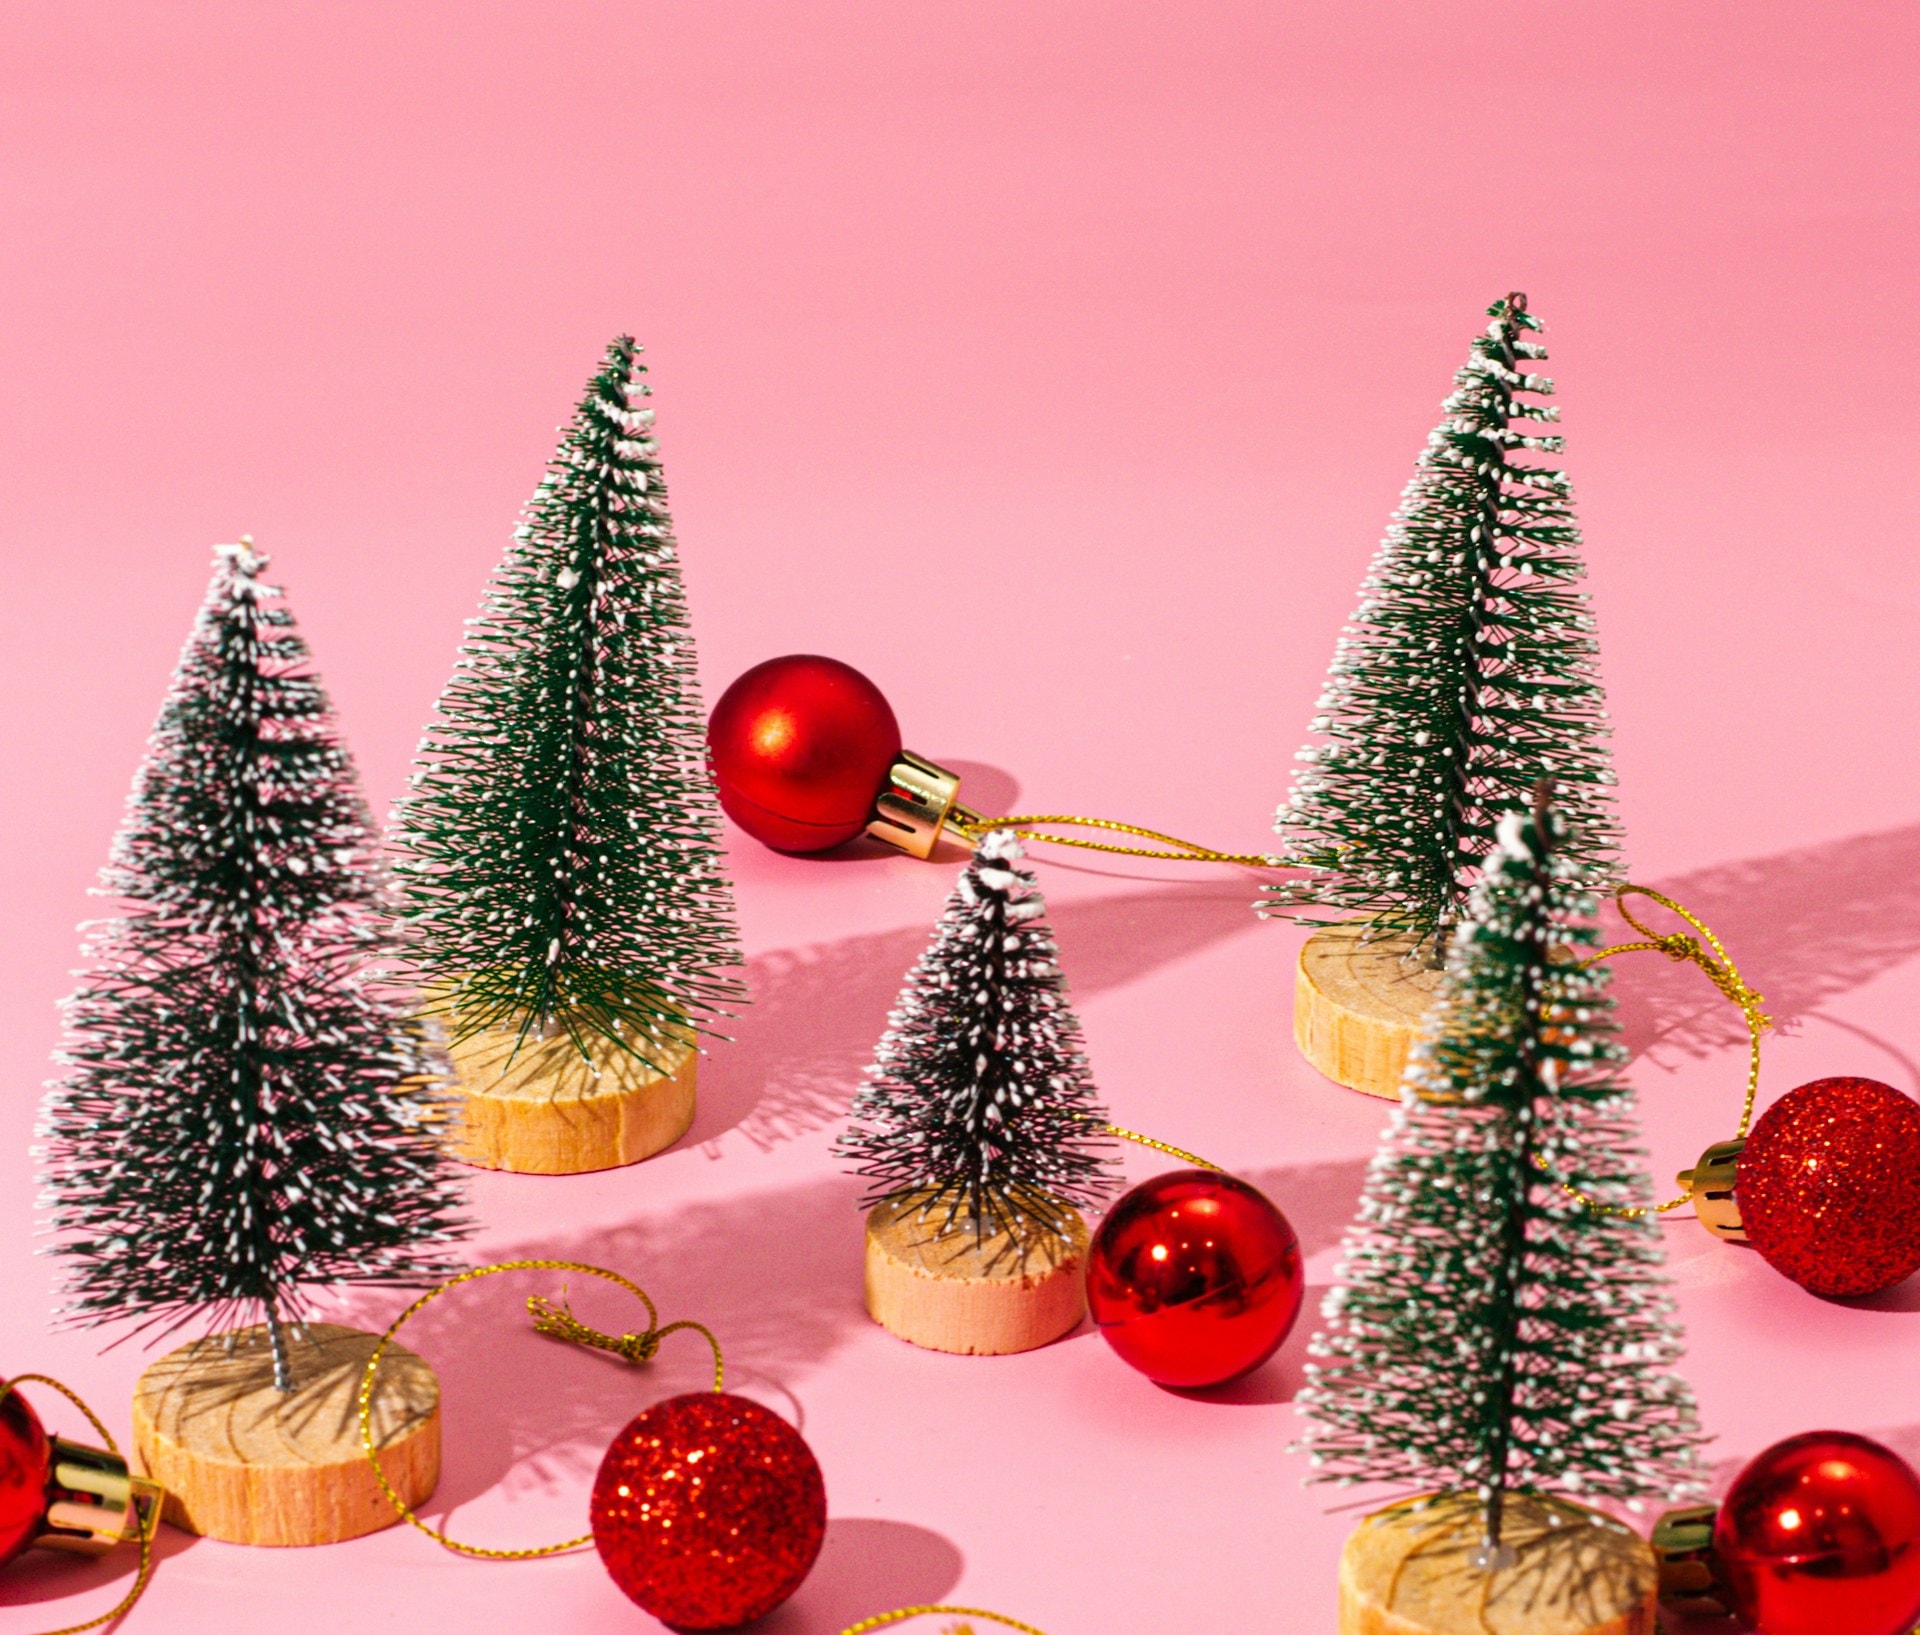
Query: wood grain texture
point(546, 1110)
point(948, 1294)
point(1408, 1571)
point(1358, 1007)
point(244, 1462)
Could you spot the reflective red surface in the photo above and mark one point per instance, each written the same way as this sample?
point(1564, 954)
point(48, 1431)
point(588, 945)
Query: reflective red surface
point(25, 1459)
point(1820, 1535)
point(1194, 1278)
point(800, 748)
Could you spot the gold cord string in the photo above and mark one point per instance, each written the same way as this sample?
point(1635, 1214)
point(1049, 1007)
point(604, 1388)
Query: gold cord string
point(148, 1518)
point(1724, 974)
point(549, 1317)
point(900, 1614)
point(1186, 851)
point(1160, 1146)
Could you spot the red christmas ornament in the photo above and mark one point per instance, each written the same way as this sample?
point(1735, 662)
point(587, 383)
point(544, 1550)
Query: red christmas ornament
point(708, 1510)
point(1194, 1278)
point(62, 1493)
point(1828, 1186)
point(26, 1466)
point(806, 754)
point(1820, 1535)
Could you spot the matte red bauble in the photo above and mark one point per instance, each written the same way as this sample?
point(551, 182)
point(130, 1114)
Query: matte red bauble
point(1820, 1535)
point(709, 1510)
point(1828, 1186)
point(1194, 1278)
point(26, 1463)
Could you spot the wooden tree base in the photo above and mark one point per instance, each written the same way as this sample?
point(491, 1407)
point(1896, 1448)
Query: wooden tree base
point(948, 1294)
point(1359, 1005)
point(244, 1462)
point(1414, 1571)
point(548, 1111)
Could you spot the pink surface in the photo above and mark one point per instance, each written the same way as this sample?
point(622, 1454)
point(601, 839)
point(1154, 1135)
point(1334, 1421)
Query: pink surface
point(1059, 366)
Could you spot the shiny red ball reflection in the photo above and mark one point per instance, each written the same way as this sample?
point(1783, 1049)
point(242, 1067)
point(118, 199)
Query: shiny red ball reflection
point(1194, 1278)
point(26, 1460)
point(1821, 1535)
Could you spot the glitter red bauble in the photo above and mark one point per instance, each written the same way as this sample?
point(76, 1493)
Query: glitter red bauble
point(26, 1462)
point(1828, 1186)
point(1820, 1535)
point(801, 747)
point(708, 1510)
point(1194, 1278)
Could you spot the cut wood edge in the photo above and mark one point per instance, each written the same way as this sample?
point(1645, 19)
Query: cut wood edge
point(244, 1462)
point(1410, 1570)
point(541, 1108)
point(944, 1292)
point(1359, 1004)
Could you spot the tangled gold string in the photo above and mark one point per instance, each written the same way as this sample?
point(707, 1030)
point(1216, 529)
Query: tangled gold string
point(549, 1317)
point(1186, 851)
point(1724, 975)
point(900, 1614)
point(148, 1519)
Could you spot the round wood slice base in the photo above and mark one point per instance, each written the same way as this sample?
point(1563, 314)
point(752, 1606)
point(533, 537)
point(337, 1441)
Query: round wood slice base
point(547, 1110)
point(1359, 1005)
point(948, 1294)
point(1412, 1571)
point(247, 1463)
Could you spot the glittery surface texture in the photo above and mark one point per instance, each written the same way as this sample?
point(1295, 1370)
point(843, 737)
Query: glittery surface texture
point(1829, 1186)
point(709, 1510)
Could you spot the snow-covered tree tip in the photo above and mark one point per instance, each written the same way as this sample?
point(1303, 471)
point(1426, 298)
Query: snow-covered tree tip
point(1468, 672)
point(244, 1111)
point(1487, 1331)
point(560, 847)
point(980, 1103)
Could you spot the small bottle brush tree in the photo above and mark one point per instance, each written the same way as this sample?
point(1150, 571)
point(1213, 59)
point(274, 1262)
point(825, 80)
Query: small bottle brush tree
point(1466, 675)
point(1489, 1331)
point(980, 1110)
point(560, 846)
point(244, 1113)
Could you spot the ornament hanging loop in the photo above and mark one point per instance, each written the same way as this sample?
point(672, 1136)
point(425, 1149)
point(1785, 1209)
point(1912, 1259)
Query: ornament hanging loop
point(556, 1318)
point(1182, 851)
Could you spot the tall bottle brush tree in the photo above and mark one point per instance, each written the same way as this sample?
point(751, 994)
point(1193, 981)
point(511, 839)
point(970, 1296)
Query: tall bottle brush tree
point(980, 1107)
point(560, 847)
point(1468, 672)
point(245, 1113)
point(1489, 1331)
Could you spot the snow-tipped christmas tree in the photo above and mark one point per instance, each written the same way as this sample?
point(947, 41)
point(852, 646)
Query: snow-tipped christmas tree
point(980, 1105)
point(560, 846)
point(244, 1113)
point(1468, 673)
point(1489, 1332)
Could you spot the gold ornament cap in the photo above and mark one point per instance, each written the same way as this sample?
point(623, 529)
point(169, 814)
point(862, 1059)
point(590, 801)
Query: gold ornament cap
point(919, 801)
point(1710, 1185)
point(94, 1502)
point(1689, 1572)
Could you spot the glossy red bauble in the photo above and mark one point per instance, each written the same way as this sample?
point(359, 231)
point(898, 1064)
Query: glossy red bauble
point(1820, 1535)
point(1828, 1186)
point(801, 747)
point(708, 1510)
point(26, 1462)
point(1194, 1278)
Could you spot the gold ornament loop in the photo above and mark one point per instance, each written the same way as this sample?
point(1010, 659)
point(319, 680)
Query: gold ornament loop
point(901, 1614)
point(1160, 1146)
point(149, 1515)
point(1186, 851)
point(1723, 974)
point(549, 1317)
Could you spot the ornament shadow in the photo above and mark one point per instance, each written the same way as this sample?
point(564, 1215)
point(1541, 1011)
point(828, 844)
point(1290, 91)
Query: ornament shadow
point(42, 1576)
point(1277, 1380)
point(1804, 926)
point(866, 1567)
point(800, 1048)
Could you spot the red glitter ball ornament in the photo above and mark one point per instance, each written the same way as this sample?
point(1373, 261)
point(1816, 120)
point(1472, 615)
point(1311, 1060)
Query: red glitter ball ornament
point(1194, 1278)
point(708, 1510)
point(26, 1463)
point(1820, 1535)
point(1828, 1186)
point(801, 748)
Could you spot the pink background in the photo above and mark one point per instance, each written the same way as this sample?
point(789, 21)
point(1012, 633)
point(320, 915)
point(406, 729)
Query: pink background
point(1059, 366)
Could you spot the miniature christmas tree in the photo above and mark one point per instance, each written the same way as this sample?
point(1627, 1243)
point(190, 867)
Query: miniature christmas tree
point(980, 1107)
point(244, 1114)
point(1490, 1332)
point(1467, 674)
point(560, 846)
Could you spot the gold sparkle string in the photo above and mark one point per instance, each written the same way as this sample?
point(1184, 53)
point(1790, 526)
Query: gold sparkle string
point(1684, 947)
point(901, 1614)
point(1159, 1146)
point(549, 1317)
point(147, 1517)
point(1172, 848)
